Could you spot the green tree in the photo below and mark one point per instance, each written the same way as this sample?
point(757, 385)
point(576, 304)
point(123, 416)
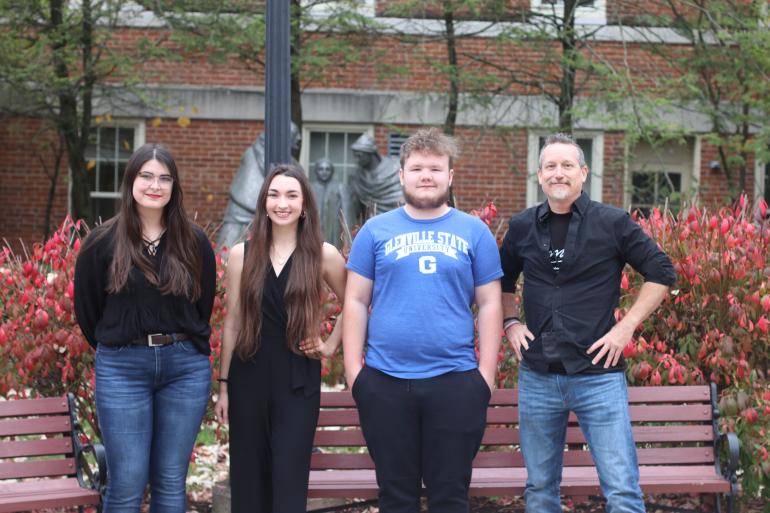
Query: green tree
point(494, 66)
point(325, 34)
point(723, 75)
point(566, 63)
point(461, 79)
point(727, 77)
point(56, 61)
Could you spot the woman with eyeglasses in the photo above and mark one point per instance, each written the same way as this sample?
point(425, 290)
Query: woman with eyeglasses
point(270, 374)
point(144, 291)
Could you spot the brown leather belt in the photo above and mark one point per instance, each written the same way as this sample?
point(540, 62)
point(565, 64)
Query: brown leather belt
point(160, 339)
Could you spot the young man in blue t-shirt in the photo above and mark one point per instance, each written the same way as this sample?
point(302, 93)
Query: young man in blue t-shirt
point(422, 395)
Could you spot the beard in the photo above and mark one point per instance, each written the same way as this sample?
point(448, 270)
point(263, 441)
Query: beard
point(560, 193)
point(441, 199)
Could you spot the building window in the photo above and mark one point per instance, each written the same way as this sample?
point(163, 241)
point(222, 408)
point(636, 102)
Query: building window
point(588, 12)
point(395, 141)
point(659, 174)
point(106, 155)
point(333, 143)
point(593, 150)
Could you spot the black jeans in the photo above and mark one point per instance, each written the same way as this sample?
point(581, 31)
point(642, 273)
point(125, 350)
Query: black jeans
point(422, 430)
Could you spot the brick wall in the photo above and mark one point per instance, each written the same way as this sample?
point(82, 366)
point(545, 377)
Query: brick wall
point(207, 154)
point(714, 188)
point(489, 9)
point(191, 68)
point(387, 63)
point(614, 169)
point(26, 163)
point(632, 12)
point(492, 166)
point(660, 12)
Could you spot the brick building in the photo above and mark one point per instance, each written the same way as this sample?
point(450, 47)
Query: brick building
point(500, 143)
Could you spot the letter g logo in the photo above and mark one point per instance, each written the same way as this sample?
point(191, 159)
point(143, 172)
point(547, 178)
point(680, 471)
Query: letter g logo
point(427, 264)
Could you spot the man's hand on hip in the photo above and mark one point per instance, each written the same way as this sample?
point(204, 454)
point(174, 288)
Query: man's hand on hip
point(611, 345)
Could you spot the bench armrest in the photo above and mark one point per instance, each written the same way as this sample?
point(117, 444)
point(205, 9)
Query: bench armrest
point(97, 480)
point(733, 452)
point(88, 477)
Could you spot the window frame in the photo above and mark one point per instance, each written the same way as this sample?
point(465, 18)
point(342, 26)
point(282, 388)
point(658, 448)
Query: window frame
point(139, 127)
point(596, 169)
point(595, 15)
point(690, 182)
point(304, 154)
point(399, 138)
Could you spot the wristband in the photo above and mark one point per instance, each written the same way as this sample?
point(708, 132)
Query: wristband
point(510, 321)
point(223, 380)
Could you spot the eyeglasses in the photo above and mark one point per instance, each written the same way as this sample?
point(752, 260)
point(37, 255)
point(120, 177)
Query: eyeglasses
point(164, 181)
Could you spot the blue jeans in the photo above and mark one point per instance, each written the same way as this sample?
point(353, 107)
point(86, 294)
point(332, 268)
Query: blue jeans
point(150, 402)
point(600, 402)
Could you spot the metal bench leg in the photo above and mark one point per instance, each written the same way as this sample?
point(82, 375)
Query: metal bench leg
point(731, 503)
point(717, 503)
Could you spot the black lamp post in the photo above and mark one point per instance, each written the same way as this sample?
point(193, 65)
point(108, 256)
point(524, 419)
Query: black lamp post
point(278, 84)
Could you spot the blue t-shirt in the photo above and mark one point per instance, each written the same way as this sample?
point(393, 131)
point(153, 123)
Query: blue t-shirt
point(424, 273)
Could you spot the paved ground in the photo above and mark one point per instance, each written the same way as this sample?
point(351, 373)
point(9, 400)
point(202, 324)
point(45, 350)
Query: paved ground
point(516, 505)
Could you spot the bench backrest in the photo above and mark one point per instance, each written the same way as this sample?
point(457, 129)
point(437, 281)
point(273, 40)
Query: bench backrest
point(36, 438)
point(673, 425)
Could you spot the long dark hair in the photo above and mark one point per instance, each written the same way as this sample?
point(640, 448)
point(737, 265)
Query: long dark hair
point(303, 290)
point(181, 269)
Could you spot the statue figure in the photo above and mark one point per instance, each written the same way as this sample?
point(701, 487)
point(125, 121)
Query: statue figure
point(375, 184)
point(244, 190)
point(332, 197)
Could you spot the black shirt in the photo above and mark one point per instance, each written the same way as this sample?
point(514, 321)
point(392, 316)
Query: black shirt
point(139, 309)
point(558, 225)
point(573, 308)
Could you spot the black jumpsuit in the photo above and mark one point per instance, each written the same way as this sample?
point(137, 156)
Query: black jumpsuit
point(273, 407)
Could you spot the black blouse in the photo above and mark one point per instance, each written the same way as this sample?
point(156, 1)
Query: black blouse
point(139, 309)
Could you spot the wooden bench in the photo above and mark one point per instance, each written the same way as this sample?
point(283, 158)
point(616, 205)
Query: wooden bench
point(675, 428)
point(42, 457)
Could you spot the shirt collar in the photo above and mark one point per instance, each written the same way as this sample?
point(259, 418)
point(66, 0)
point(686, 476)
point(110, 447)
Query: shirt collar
point(579, 205)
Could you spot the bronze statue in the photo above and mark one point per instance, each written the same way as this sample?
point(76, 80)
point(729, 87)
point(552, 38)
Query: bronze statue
point(245, 188)
point(333, 199)
point(375, 183)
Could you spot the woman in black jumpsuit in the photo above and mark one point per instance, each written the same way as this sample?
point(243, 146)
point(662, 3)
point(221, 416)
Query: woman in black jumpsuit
point(270, 390)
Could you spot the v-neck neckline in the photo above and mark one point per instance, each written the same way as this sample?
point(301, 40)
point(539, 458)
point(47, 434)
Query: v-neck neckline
point(278, 274)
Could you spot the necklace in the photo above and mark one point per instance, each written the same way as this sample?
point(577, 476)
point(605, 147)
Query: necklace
point(280, 258)
point(152, 245)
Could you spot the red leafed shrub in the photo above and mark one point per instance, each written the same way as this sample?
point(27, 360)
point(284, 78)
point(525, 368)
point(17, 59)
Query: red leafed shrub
point(714, 324)
point(42, 352)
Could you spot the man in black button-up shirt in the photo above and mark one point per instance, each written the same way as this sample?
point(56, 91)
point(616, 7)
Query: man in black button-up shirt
point(572, 251)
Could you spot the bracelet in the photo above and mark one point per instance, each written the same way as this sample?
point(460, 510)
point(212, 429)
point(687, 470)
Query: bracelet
point(223, 380)
point(510, 321)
